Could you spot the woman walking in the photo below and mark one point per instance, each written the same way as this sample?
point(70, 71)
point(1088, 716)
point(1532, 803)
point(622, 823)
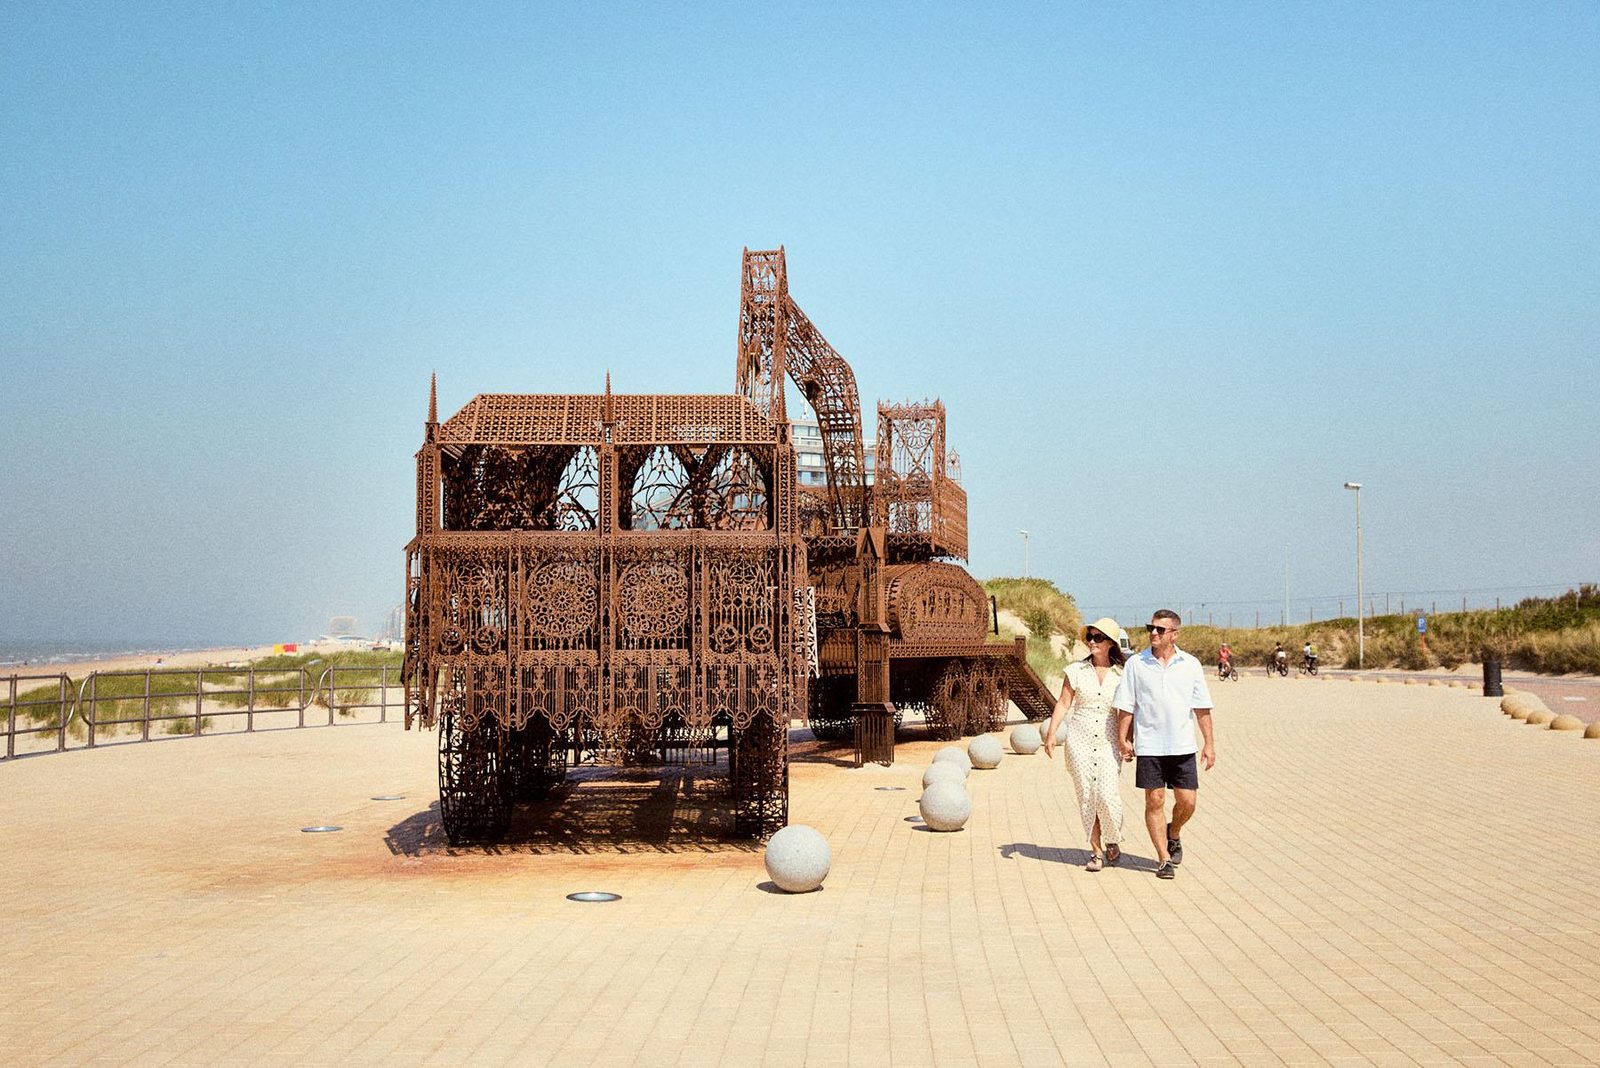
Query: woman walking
point(1092, 754)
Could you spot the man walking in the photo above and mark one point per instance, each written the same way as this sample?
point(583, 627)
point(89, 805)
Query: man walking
point(1163, 691)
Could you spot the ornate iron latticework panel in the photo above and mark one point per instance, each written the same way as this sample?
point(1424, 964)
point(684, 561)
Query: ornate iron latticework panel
point(914, 497)
point(607, 578)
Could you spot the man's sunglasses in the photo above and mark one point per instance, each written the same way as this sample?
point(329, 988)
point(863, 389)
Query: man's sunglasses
point(1153, 629)
point(1095, 638)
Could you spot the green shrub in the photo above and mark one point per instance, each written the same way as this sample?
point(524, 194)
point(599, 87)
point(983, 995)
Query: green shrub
point(1037, 602)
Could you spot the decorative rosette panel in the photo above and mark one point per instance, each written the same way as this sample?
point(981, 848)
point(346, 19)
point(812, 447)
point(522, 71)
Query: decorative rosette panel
point(653, 600)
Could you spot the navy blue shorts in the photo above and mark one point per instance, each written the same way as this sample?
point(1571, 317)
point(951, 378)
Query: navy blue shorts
point(1157, 772)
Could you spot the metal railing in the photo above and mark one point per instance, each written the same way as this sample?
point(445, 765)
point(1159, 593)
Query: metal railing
point(32, 701)
point(118, 707)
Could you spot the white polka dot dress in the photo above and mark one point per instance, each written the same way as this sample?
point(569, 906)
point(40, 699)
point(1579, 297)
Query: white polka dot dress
point(1092, 750)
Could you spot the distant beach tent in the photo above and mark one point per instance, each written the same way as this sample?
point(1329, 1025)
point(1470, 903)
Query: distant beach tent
point(285, 647)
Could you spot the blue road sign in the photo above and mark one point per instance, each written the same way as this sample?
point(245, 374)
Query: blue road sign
point(1422, 624)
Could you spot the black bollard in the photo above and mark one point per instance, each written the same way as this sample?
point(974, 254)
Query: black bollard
point(1491, 679)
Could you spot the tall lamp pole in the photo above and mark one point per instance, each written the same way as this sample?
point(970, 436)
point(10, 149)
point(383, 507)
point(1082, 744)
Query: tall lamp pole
point(1024, 534)
point(1361, 632)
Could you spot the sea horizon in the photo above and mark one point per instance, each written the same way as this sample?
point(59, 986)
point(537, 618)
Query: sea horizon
point(43, 652)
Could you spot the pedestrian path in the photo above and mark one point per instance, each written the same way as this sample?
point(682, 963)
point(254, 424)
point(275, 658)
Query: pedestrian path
point(1377, 874)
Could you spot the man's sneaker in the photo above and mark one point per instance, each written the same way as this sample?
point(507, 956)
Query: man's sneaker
point(1174, 848)
point(1167, 871)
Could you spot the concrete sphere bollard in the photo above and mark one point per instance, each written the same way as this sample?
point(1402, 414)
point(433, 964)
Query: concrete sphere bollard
point(798, 859)
point(944, 771)
point(1566, 723)
point(1025, 739)
point(1380, 679)
point(954, 753)
point(1593, 730)
point(1539, 717)
point(985, 752)
point(945, 806)
point(1518, 705)
point(1061, 733)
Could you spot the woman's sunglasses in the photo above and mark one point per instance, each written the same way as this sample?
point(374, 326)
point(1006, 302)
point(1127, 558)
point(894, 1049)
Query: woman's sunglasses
point(1095, 638)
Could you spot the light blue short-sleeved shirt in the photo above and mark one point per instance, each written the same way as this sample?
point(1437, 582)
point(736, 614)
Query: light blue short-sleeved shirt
point(1162, 698)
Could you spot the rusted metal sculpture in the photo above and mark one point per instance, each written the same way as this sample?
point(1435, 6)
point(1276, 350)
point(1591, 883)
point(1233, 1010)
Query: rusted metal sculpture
point(621, 578)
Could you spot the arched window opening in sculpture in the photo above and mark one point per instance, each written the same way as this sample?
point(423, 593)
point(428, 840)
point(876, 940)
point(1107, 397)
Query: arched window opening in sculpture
point(736, 493)
point(660, 498)
point(577, 503)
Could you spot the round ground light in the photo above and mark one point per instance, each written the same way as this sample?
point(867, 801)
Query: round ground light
point(321, 828)
point(389, 797)
point(594, 896)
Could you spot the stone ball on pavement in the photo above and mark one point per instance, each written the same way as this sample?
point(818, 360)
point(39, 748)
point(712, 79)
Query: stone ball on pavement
point(985, 752)
point(1518, 705)
point(1592, 730)
point(1061, 733)
point(953, 753)
point(1566, 723)
point(1540, 716)
point(798, 859)
point(945, 806)
point(944, 771)
point(1025, 739)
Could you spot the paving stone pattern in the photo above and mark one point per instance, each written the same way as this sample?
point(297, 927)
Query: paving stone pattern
point(1377, 875)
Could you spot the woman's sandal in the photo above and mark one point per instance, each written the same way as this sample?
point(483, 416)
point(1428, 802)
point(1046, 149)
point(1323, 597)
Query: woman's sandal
point(1113, 853)
point(1094, 863)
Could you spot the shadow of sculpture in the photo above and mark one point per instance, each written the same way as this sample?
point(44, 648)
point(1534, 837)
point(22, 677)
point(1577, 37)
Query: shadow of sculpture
point(678, 809)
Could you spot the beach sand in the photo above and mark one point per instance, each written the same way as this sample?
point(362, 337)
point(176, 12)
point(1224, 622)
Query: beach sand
point(189, 658)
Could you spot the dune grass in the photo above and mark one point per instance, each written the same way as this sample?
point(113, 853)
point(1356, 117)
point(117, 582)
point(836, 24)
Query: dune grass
point(121, 696)
point(1553, 635)
point(1044, 610)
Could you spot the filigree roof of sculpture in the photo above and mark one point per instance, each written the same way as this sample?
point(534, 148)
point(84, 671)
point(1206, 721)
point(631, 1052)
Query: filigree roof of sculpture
point(580, 418)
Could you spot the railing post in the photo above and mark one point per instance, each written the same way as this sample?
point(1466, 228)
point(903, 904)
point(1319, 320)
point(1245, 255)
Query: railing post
point(11, 721)
point(301, 722)
point(250, 701)
point(146, 737)
point(383, 693)
point(94, 709)
point(61, 714)
point(199, 697)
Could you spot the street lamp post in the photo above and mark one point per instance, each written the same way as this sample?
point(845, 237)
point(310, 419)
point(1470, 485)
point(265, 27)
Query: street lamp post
point(1361, 633)
point(1024, 534)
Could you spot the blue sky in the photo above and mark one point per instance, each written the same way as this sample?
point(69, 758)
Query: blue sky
point(1177, 273)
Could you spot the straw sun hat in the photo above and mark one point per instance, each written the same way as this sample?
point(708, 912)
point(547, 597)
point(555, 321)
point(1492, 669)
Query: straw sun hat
point(1107, 626)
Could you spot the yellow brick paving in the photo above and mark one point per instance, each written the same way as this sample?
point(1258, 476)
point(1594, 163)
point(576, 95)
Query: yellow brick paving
point(1377, 875)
